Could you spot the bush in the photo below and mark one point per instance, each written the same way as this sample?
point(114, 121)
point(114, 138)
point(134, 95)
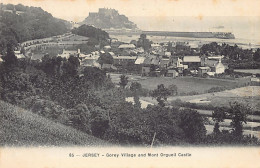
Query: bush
point(99, 121)
point(79, 118)
point(192, 124)
point(216, 89)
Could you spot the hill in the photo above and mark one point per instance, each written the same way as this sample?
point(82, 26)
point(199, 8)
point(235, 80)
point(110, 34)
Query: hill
point(23, 128)
point(20, 23)
point(109, 19)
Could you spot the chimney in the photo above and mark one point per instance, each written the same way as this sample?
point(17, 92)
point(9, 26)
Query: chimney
point(78, 51)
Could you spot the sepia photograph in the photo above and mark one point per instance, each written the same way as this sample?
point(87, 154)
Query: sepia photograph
point(129, 83)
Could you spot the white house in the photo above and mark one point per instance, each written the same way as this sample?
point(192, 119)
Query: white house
point(18, 55)
point(219, 68)
point(68, 53)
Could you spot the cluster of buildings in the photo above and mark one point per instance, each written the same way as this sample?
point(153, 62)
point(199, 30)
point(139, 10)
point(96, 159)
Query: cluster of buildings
point(157, 62)
point(174, 66)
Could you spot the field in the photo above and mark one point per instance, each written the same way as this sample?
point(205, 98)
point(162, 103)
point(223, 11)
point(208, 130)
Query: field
point(184, 84)
point(23, 128)
point(252, 71)
point(249, 95)
point(190, 84)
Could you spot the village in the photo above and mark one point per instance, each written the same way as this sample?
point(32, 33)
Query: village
point(156, 61)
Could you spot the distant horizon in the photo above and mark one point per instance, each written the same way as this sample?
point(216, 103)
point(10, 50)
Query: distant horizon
point(246, 27)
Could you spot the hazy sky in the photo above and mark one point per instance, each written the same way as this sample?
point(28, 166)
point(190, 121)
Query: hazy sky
point(77, 10)
point(168, 15)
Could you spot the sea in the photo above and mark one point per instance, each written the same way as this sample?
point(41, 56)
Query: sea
point(245, 28)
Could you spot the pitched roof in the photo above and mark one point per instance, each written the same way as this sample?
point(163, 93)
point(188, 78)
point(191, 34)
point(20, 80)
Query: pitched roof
point(139, 60)
point(211, 62)
point(219, 65)
point(111, 53)
point(191, 59)
point(204, 68)
point(125, 57)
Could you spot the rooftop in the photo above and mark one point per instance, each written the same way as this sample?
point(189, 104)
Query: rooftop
point(191, 59)
point(127, 46)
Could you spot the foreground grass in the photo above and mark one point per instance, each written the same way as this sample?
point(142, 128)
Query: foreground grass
point(19, 127)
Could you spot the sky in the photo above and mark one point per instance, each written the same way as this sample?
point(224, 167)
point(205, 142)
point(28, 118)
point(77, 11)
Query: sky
point(242, 17)
point(77, 10)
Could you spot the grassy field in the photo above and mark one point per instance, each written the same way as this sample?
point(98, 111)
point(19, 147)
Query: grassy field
point(23, 128)
point(190, 84)
point(184, 84)
point(246, 95)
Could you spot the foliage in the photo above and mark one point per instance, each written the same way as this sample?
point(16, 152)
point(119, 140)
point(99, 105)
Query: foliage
point(93, 33)
point(135, 87)
point(236, 57)
point(144, 42)
point(218, 116)
point(257, 55)
point(34, 23)
point(132, 125)
point(80, 118)
point(99, 122)
point(173, 89)
point(192, 124)
point(226, 138)
point(105, 58)
point(238, 114)
point(216, 89)
point(123, 81)
point(161, 94)
point(10, 58)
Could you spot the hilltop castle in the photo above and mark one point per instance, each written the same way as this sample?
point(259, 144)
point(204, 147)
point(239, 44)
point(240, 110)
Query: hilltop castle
point(107, 18)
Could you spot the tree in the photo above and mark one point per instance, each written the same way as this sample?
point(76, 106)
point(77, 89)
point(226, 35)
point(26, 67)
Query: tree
point(193, 126)
point(162, 123)
point(10, 58)
point(218, 116)
point(123, 81)
point(95, 76)
point(80, 117)
point(144, 42)
point(257, 55)
point(173, 89)
point(135, 87)
point(105, 58)
point(99, 121)
point(70, 67)
point(92, 32)
point(238, 114)
point(137, 101)
point(161, 94)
